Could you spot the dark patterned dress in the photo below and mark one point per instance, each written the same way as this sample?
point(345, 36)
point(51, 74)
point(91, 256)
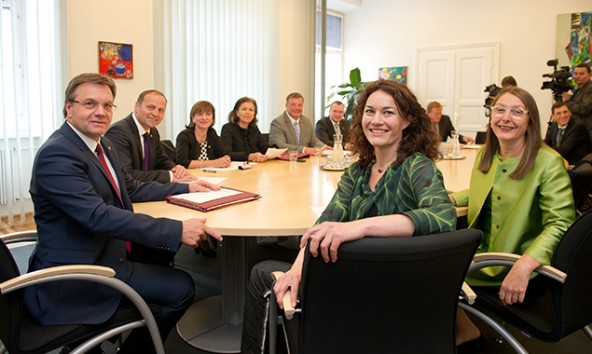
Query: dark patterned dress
point(414, 188)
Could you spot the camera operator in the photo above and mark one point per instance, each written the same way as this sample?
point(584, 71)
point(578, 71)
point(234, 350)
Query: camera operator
point(580, 103)
point(508, 82)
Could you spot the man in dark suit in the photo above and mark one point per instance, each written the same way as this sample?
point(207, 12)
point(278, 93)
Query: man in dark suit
point(326, 127)
point(442, 123)
point(83, 211)
point(567, 136)
point(292, 129)
point(138, 142)
point(580, 103)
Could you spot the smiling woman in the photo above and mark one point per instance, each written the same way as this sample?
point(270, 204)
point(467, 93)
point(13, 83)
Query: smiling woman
point(520, 197)
point(393, 190)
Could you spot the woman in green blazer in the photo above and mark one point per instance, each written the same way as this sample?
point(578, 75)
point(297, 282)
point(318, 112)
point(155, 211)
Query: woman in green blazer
point(520, 197)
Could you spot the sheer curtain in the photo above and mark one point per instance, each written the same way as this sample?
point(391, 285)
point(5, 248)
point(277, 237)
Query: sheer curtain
point(30, 69)
point(220, 50)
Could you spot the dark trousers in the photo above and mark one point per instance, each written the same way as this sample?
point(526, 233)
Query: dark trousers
point(170, 289)
point(255, 317)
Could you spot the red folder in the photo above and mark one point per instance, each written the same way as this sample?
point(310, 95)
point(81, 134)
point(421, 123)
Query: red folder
point(214, 204)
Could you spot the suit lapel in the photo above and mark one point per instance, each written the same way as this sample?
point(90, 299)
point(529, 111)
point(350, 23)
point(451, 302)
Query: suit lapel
point(136, 143)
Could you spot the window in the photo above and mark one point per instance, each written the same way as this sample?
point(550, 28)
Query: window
point(29, 73)
point(333, 58)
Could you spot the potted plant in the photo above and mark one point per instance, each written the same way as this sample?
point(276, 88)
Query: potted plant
point(349, 91)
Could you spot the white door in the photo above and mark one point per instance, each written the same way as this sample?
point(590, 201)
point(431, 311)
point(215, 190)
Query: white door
point(457, 77)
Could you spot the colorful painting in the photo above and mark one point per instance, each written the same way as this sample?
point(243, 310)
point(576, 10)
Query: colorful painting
point(116, 60)
point(395, 73)
point(579, 49)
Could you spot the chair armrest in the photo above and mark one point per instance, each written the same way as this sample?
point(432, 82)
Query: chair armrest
point(488, 259)
point(22, 236)
point(468, 294)
point(92, 273)
point(289, 310)
point(25, 279)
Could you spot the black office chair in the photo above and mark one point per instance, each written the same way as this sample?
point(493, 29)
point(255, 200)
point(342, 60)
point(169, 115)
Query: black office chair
point(266, 137)
point(384, 295)
point(169, 148)
point(20, 334)
point(561, 302)
point(480, 138)
point(581, 182)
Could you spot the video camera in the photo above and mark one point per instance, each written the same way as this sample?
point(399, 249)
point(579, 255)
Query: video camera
point(493, 90)
point(560, 80)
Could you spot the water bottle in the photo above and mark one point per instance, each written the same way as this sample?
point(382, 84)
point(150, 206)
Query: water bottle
point(338, 150)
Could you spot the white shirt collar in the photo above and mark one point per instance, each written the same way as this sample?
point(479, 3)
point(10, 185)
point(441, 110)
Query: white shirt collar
point(91, 143)
point(292, 119)
point(141, 129)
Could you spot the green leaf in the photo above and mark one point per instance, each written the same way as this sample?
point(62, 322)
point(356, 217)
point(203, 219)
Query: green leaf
point(355, 78)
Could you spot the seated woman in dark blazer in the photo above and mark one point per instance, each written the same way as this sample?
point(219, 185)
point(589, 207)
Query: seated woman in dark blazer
point(199, 145)
point(241, 137)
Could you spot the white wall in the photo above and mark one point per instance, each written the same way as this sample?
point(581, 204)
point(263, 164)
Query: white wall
point(384, 33)
point(138, 22)
point(130, 21)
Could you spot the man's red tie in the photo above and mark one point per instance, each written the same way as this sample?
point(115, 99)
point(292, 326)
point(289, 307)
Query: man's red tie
point(101, 157)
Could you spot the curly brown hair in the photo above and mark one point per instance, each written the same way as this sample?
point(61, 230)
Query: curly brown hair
point(419, 136)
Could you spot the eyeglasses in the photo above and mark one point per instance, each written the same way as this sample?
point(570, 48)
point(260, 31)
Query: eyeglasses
point(516, 113)
point(91, 105)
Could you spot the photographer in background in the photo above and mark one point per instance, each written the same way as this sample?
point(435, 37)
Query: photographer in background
point(509, 82)
point(580, 103)
point(567, 136)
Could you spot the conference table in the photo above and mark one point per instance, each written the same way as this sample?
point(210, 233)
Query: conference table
point(292, 193)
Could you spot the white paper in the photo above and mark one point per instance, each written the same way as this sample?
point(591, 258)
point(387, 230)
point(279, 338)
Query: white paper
point(213, 180)
point(202, 197)
point(273, 153)
point(233, 166)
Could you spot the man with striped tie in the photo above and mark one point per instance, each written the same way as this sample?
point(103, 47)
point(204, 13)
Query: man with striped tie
point(292, 129)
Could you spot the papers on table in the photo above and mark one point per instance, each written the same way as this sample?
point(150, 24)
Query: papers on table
point(233, 166)
point(213, 180)
point(273, 153)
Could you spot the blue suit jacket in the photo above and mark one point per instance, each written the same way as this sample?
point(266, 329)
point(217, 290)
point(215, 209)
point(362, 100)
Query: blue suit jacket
point(126, 138)
point(81, 221)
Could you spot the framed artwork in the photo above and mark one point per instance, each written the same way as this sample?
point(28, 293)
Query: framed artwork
point(116, 60)
point(395, 73)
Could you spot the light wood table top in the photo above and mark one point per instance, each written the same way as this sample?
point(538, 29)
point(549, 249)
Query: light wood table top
point(284, 208)
point(287, 196)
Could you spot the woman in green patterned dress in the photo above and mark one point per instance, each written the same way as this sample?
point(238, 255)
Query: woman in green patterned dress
point(394, 189)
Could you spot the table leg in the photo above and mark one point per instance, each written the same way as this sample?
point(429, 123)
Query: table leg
point(215, 324)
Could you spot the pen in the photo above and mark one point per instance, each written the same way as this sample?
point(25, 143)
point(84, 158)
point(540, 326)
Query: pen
point(213, 171)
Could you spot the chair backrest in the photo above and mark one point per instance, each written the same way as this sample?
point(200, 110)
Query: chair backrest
point(266, 138)
point(386, 295)
point(169, 148)
point(581, 179)
point(11, 305)
point(480, 138)
point(571, 300)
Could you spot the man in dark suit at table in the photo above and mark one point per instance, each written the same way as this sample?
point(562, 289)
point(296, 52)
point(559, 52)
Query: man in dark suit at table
point(138, 142)
point(83, 211)
point(328, 126)
point(566, 135)
point(580, 102)
point(292, 129)
point(442, 123)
